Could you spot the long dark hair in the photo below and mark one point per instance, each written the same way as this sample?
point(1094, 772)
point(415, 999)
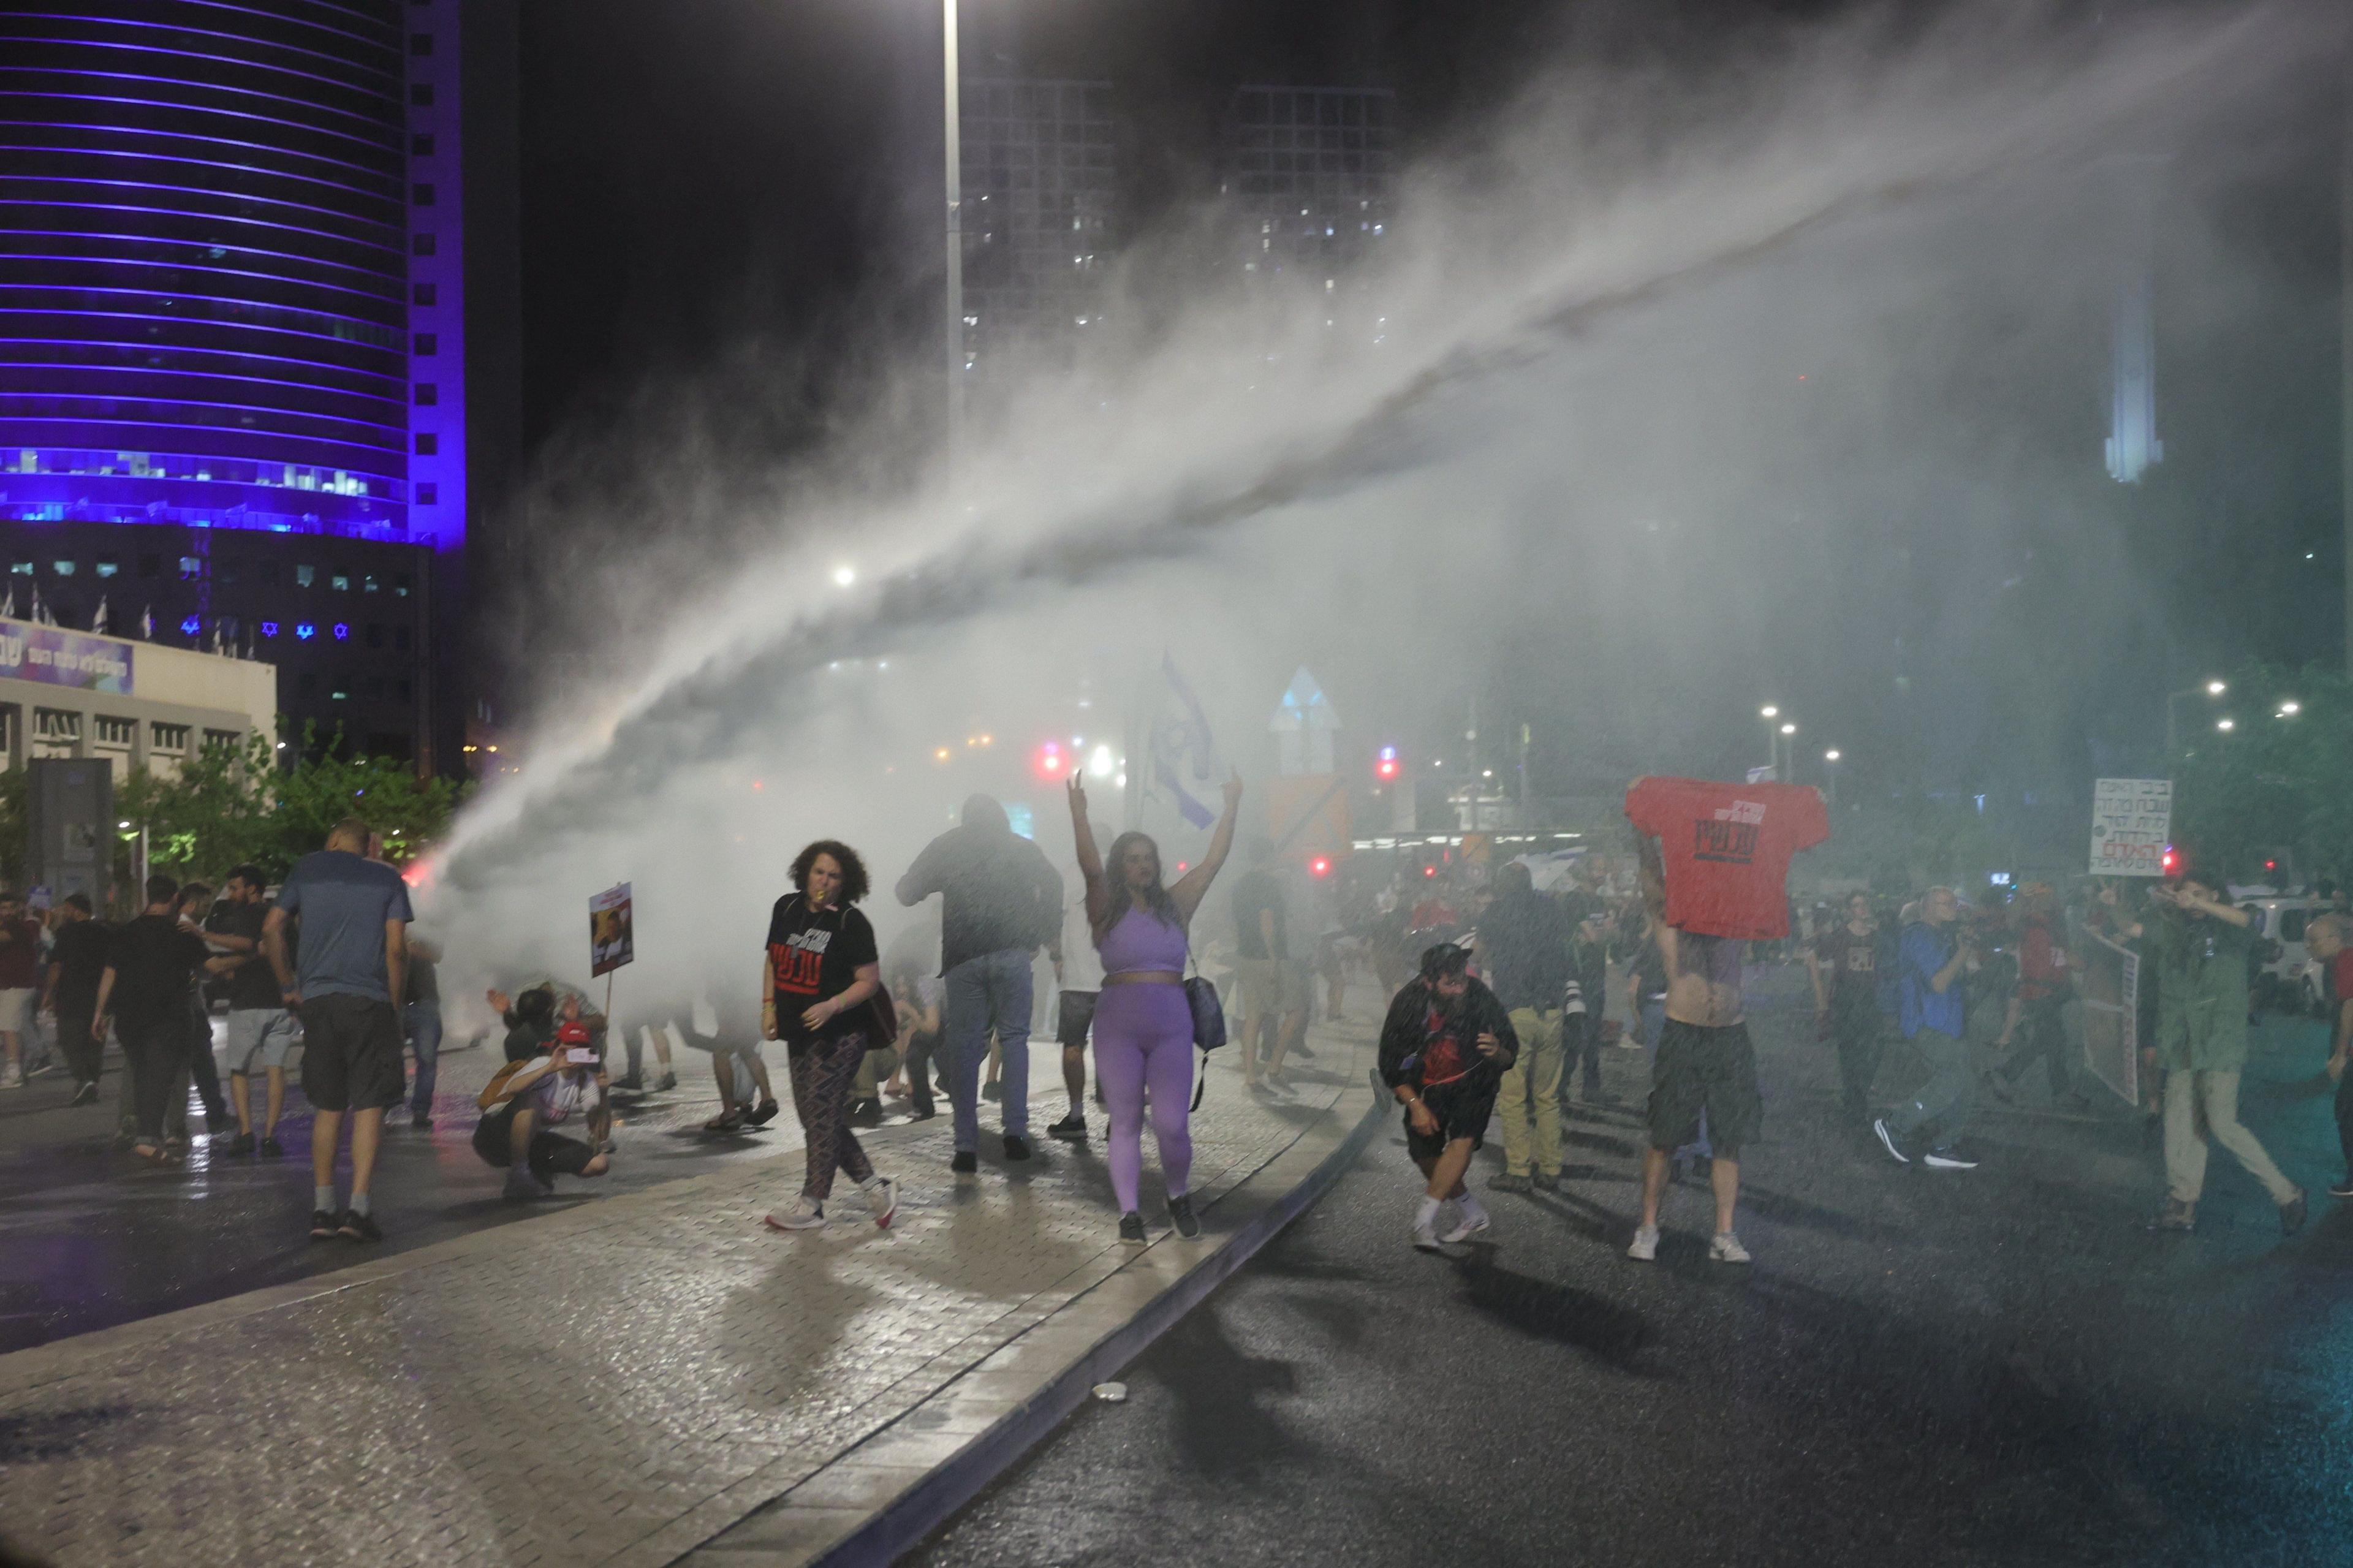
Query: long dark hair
point(1156, 897)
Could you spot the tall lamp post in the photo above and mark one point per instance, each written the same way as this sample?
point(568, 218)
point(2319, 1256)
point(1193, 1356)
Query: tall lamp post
point(954, 143)
point(1789, 751)
point(1830, 766)
point(2172, 716)
point(1772, 746)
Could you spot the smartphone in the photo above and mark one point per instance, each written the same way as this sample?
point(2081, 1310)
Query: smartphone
point(580, 1056)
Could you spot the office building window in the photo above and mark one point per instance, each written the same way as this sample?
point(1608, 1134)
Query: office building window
point(376, 687)
point(400, 639)
point(400, 586)
point(421, 94)
point(221, 738)
point(21, 568)
point(426, 346)
point(341, 582)
point(421, 244)
point(305, 575)
point(151, 566)
point(428, 494)
point(427, 444)
point(191, 568)
point(368, 583)
point(169, 737)
point(114, 732)
point(427, 394)
point(422, 194)
point(375, 635)
point(426, 294)
point(108, 566)
point(421, 144)
point(62, 568)
point(340, 694)
point(420, 43)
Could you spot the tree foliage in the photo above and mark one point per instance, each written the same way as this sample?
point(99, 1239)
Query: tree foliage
point(2279, 780)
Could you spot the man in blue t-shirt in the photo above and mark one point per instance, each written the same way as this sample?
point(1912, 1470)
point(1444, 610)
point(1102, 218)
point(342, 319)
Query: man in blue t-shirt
point(353, 914)
point(1931, 958)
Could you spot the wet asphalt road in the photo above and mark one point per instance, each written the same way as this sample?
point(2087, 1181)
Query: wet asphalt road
point(1996, 1367)
point(90, 1237)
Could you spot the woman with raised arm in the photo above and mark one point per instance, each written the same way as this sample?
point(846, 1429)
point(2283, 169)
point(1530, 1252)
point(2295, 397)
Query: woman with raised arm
point(1143, 1025)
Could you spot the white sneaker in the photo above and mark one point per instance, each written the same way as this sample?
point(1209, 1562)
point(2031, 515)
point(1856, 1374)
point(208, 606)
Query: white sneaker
point(881, 1199)
point(1646, 1243)
point(12, 1077)
point(1469, 1221)
point(1726, 1248)
point(1425, 1234)
point(806, 1214)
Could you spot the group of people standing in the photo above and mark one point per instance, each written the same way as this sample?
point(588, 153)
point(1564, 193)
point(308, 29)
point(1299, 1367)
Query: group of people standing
point(822, 995)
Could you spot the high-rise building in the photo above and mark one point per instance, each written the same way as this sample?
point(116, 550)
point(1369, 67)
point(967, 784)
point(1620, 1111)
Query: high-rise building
point(1040, 167)
point(1311, 172)
point(237, 293)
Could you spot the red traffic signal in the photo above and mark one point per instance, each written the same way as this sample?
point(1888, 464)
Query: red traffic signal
point(1386, 766)
point(1050, 762)
point(2171, 861)
point(1320, 866)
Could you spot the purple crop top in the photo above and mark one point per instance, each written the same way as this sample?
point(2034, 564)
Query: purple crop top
point(1140, 942)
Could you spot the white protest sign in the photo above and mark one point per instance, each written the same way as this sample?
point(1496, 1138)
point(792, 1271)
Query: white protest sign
point(2132, 822)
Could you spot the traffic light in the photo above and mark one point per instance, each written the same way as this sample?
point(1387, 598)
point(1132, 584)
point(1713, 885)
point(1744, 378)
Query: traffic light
point(2171, 861)
point(1320, 866)
point(1386, 766)
point(1050, 762)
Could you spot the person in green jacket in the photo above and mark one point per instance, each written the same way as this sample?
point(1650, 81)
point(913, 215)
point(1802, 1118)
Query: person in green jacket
point(2200, 944)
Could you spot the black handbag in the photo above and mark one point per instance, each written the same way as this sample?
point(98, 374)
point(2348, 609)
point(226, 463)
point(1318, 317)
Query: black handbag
point(1208, 1024)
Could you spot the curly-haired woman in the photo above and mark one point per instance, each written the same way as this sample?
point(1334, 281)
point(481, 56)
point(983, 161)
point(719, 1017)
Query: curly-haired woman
point(820, 971)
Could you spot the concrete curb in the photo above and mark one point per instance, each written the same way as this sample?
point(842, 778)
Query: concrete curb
point(929, 1500)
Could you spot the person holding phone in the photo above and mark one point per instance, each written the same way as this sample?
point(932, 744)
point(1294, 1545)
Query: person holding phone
point(525, 1101)
point(1933, 957)
point(1445, 1047)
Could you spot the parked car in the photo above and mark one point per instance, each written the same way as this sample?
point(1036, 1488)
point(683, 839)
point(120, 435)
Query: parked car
point(2290, 980)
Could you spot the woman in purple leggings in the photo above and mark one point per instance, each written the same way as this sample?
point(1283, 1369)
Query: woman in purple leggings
point(1143, 1027)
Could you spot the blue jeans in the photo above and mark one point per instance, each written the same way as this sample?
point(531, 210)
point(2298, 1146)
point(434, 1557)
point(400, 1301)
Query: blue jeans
point(424, 1021)
point(988, 994)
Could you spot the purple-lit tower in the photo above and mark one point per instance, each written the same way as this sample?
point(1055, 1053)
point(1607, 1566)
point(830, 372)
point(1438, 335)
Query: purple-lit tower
point(235, 296)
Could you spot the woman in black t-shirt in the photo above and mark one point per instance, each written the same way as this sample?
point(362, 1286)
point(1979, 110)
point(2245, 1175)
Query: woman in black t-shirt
point(820, 971)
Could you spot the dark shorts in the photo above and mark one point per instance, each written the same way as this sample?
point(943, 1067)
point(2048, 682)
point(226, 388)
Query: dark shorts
point(1713, 1070)
point(1462, 1109)
point(1078, 1014)
point(551, 1153)
point(352, 1058)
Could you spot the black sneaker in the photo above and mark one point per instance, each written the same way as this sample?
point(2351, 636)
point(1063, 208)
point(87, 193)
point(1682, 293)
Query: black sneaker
point(1071, 1128)
point(1131, 1228)
point(241, 1144)
point(761, 1114)
point(270, 1148)
point(421, 1124)
point(1508, 1182)
point(84, 1094)
point(1299, 1049)
point(357, 1226)
point(665, 1083)
point(1949, 1157)
point(323, 1226)
point(964, 1164)
point(2292, 1214)
point(865, 1113)
point(1887, 1142)
point(630, 1081)
point(922, 1111)
point(1546, 1184)
point(1017, 1147)
point(1180, 1215)
point(2342, 1187)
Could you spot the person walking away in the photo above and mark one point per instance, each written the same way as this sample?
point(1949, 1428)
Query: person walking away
point(1144, 1021)
point(1445, 1045)
point(151, 964)
point(1078, 978)
point(2039, 1003)
point(523, 1101)
point(921, 1000)
point(20, 984)
point(1262, 952)
point(1000, 902)
point(202, 1071)
point(2324, 940)
point(1933, 958)
point(77, 961)
point(1843, 966)
point(820, 971)
point(2200, 943)
point(1524, 953)
point(352, 916)
point(260, 1026)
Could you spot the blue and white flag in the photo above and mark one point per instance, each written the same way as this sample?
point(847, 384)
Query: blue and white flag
point(1183, 748)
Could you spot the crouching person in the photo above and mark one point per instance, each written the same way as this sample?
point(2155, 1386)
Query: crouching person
point(527, 1099)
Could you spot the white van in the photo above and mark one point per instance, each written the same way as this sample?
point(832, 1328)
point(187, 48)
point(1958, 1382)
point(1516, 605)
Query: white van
point(2290, 979)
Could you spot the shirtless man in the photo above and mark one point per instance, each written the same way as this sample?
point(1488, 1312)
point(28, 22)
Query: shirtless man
point(1706, 1063)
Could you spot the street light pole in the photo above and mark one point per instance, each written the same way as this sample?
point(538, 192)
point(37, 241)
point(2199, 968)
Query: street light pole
point(1830, 766)
point(1772, 741)
point(953, 139)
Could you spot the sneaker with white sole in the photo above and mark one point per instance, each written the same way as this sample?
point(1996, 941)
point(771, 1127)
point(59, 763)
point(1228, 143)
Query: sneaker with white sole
point(1425, 1234)
point(807, 1213)
point(882, 1196)
point(1887, 1142)
point(1726, 1248)
point(1469, 1221)
point(1645, 1249)
point(1949, 1157)
point(12, 1077)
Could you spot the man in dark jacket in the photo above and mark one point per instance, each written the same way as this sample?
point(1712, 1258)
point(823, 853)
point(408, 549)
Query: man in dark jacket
point(1001, 900)
point(1444, 1050)
point(1524, 949)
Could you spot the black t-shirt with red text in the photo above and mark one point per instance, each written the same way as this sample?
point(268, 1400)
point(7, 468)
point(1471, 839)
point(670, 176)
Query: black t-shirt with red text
point(815, 954)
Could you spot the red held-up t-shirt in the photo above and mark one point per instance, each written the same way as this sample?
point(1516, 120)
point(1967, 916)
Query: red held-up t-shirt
point(1726, 851)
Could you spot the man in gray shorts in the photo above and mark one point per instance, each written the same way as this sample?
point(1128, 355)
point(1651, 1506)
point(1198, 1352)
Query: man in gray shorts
point(261, 1026)
point(353, 960)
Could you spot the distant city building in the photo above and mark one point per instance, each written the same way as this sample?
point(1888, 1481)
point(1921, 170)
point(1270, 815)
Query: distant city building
point(235, 303)
point(138, 708)
point(1039, 168)
point(1312, 172)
